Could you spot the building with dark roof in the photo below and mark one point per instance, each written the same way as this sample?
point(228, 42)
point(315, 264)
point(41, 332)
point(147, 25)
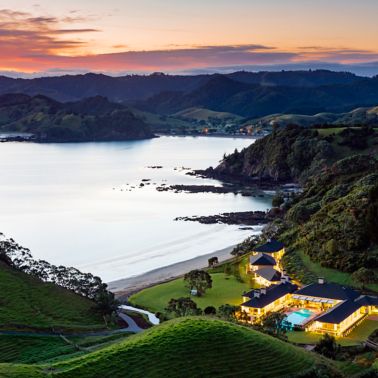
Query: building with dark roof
point(262, 259)
point(328, 290)
point(267, 275)
point(337, 309)
point(259, 302)
point(273, 247)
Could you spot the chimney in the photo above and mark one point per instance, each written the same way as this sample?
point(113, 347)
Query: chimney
point(285, 279)
point(256, 293)
point(321, 280)
point(263, 291)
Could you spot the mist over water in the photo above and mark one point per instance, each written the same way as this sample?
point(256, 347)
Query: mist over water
point(71, 204)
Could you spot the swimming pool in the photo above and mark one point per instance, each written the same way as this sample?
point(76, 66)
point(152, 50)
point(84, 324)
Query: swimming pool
point(299, 317)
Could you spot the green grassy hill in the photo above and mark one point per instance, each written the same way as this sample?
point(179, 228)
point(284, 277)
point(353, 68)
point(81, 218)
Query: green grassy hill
point(359, 116)
point(186, 347)
point(28, 303)
point(201, 114)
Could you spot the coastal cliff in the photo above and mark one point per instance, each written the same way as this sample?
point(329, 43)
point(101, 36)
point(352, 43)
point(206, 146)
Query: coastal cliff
point(287, 155)
point(333, 221)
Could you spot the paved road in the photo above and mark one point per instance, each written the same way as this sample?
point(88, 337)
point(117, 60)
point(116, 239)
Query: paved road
point(132, 327)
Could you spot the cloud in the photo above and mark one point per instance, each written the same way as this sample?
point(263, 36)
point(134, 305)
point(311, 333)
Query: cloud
point(23, 35)
point(42, 43)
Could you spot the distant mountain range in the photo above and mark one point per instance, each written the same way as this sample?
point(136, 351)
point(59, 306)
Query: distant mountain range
point(140, 87)
point(223, 94)
point(92, 119)
point(100, 107)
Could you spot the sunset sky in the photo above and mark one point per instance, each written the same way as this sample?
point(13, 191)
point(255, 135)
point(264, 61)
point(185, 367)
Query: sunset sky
point(120, 36)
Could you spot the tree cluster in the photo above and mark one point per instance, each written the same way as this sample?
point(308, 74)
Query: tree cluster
point(84, 284)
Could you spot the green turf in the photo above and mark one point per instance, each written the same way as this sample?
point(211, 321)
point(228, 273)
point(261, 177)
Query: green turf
point(26, 302)
point(226, 289)
point(186, 347)
point(39, 349)
point(32, 349)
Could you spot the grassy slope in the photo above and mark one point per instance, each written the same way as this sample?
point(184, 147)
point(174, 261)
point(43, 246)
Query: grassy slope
point(186, 347)
point(26, 302)
point(200, 114)
point(226, 289)
point(40, 349)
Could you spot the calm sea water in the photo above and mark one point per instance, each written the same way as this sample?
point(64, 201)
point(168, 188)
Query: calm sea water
point(71, 204)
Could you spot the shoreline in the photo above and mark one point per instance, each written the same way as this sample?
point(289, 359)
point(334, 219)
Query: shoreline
point(125, 287)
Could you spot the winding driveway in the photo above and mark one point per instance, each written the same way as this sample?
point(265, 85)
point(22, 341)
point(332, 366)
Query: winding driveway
point(132, 327)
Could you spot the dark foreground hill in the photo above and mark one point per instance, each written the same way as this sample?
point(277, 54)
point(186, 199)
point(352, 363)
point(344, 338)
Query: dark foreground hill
point(92, 119)
point(188, 347)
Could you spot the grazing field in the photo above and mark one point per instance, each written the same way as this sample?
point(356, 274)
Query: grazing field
point(26, 302)
point(186, 347)
point(226, 289)
point(201, 114)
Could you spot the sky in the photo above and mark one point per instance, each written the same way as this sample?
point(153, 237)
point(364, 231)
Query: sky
point(128, 36)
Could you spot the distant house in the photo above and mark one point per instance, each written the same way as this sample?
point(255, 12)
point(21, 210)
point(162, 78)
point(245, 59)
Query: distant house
point(272, 247)
point(264, 263)
point(261, 260)
point(267, 276)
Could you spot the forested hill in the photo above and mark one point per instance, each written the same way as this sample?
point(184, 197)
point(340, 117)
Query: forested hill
point(221, 93)
point(334, 222)
point(286, 155)
point(92, 119)
point(140, 87)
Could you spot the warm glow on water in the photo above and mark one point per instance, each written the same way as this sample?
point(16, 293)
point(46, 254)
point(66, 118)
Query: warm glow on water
point(58, 200)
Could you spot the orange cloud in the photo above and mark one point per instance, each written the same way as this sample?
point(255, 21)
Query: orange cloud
point(30, 43)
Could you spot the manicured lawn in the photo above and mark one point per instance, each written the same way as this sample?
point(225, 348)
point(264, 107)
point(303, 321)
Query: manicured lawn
point(226, 289)
point(357, 336)
point(26, 302)
point(363, 331)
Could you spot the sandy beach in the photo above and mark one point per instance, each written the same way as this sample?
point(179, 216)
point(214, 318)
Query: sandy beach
point(125, 287)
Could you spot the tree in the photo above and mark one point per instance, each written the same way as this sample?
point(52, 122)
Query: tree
point(228, 312)
point(278, 200)
point(210, 310)
point(106, 303)
point(327, 346)
point(213, 261)
point(198, 280)
point(183, 307)
point(275, 324)
point(365, 276)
